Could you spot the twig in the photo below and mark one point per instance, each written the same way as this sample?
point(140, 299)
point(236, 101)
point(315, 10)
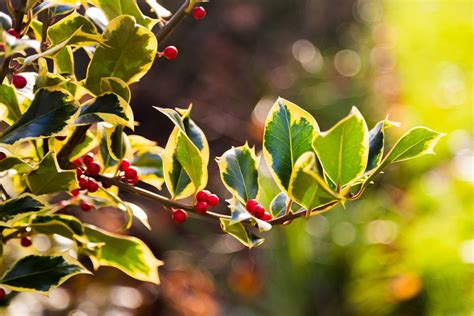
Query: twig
point(175, 19)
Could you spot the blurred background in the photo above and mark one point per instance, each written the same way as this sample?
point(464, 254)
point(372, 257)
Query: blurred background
point(406, 248)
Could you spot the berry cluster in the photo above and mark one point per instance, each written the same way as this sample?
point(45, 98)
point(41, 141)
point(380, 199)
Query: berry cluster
point(86, 168)
point(204, 200)
point(128, 173)
point(257, 210)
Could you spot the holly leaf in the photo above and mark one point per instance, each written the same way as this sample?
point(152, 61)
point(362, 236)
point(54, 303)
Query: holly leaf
point(64, 62)
point(13, 209)
point(9, 100)
point(240, 232)
point(66, 29)
point(127, 53)
point(149, 165)
point(239, 213)
point(117, 142)
point(376, 143)
point(128, 254)
point(109, 108)
point(279, 204)
point(115, 8)
point(307, 187)
point(238, 170)
point(48, 177)
point(288, 134)
point(41, 273)
point(344, 149)
point(48, 115)
point(15, 163)
point(186, 155)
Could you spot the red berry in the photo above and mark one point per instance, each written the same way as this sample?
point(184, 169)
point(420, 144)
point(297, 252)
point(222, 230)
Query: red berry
point(88, 159)
point(85, 206)
point(2, 294)
point(77, 162)
point(266, 216)
point(93, 169)
point(133, 181)
point(19, 81)
point(2, 156)
point(251, 205)
point(170, 52)
point(124, 165)
point(201, 196)
point(258, 211)
point(199, 13)
point(92, 186)
point(26, 241)
point(60, 138)
point(2, 47)
point(79, 172)
point(12, 32)
point(131, 173)
point(75, 192)
point(179, 215)
point(201, 207)
point(83, 183)
point(212, 200)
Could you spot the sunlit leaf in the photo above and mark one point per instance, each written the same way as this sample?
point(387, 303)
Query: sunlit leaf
point(344, 149)
point(240, 232)
point(238, 170)
point(128, 254)
point(288, 134)
point(115, 8)
point(41, 273)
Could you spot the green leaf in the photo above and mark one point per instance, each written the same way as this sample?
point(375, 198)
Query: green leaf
point(306, 187)
point(14, 209)
point(41, 273)
point(376, 143)
point(115, 8)
point(186, 156)
point(9, 100)
point(240, 232)
point(117, 142)
point(64, 62)
point(416, 142)
point(115, 85)
point(279, 204)
point(139, 214)
point(63, 225)
point(128, 254)
point(66, 29)
point(127, 53)
point(288, 134)
point(14, 163)
point(109, 108)
point(49, 178)
point(89, 143)
point(239, 213)
point(149, 165)
point(344, 149)
point(48, 115)
point(238, 168)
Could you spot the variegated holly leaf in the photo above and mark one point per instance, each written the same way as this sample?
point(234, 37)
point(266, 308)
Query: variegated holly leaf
point(117, 142)
point(238, 170)
point(15, 163)
point(279, 204)
point(148, 162)
point(116, 8)
point(9, 100)
point(289, 131)
point(109, 108)
point(66, 29)
point(48, 177)
point(128, 254)
point(127, 53)
point(18, 207)
point(376, 143)
point(115, 85)
point(186, 155)
point(344, 149)
point(307, 187)
point(417, 142)
point(240, 232)
point(41, 273)
point(48, 115)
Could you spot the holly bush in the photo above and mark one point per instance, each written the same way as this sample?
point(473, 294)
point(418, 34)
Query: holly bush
point(68, 144)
